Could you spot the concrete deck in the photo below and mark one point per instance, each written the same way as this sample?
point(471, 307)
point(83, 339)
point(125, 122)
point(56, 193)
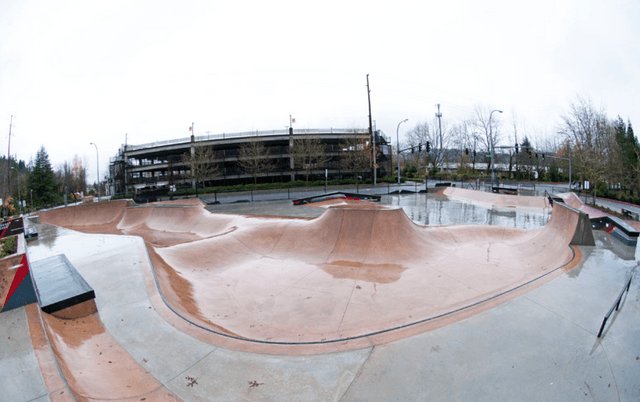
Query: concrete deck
point(541, 345)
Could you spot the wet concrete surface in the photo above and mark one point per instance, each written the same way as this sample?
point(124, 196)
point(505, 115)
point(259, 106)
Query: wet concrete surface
point(424, 209)
point(541, 346)
point(20, 378)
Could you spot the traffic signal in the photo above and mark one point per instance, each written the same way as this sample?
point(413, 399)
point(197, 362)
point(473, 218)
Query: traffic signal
point(419, 147)
point(529, 154)
point(516, 147)
point(466, 151)
point(536, 155)
point(428, 146)
point(542, 156)
point(474, 153)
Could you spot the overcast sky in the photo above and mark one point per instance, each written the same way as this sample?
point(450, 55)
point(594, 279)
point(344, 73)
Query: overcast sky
point(75, 72)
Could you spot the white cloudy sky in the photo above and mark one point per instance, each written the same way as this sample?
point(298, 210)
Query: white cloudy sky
point(75, 72)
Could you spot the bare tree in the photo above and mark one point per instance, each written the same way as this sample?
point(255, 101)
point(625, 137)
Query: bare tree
point(489, 136)
point(254, 159)
point(440, 144)
point(71, 177)
point(591, 137)
point(356, 155)
point(309, 153)
point(462, 138)
point(201, 164)
point(417, 138)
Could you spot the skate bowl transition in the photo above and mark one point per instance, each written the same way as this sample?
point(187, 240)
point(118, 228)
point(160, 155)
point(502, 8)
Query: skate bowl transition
point(354, 273)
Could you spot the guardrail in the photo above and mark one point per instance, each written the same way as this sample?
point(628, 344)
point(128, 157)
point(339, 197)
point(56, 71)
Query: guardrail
point(616, 304)
point(256, 133)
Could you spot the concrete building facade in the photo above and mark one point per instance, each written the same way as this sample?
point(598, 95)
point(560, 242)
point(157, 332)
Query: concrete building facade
point(159, 165)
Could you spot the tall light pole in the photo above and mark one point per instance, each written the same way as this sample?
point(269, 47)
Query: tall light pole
point(398, 147)
point(9, 155)
point(371, 135)
point(19, 201)
point(97, 168)
point(493, 155)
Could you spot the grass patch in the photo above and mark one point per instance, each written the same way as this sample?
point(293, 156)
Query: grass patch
point(8, 246)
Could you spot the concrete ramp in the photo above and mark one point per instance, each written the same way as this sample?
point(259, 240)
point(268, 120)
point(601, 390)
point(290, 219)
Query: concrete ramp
point(583, 235)
point(498, 200)
point(350, 273)
point(88, 218)
point(353, 272)
point(95, 366)
point(622, 230)
point(572, 200)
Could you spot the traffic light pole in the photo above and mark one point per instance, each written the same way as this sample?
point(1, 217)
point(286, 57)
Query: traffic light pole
point(543, 157)
point(427, 147)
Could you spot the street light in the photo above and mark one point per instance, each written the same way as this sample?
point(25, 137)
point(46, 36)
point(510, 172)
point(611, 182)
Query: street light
point(398, 145)
point(97, 168)
point(493, 162)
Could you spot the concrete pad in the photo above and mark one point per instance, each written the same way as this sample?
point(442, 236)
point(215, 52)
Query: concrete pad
point(115, 273)
point(157, 346)
point(13, 328)
point(44, 398)
point(566, 295)
point(122, 259)
point(95, 366)
point(91, 255)
point(19, 371)
point(621, 341)
point(518, 351)
point(226, 375)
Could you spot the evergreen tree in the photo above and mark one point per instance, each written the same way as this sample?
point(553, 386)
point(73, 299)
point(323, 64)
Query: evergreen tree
point(42, 181)
point(629, 149)
point(630, 136)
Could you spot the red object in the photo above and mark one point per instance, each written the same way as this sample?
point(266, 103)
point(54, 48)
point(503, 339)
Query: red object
point(17, 280)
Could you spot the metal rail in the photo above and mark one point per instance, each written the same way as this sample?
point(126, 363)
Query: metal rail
point(256, 133)
point(616, 304)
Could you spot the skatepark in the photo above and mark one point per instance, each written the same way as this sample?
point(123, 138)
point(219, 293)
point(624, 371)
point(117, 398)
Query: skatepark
point(354, 301)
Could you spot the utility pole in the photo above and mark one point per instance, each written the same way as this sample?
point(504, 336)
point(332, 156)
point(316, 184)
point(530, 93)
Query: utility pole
point(19, 201)
point(515, 135)
point(493, 154)
point(9, 157)
point(373, 138)
point(439, 116)
point(97, 168)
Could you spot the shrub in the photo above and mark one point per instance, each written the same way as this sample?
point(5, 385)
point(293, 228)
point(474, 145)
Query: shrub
point(8, 246)
point(390, 179)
